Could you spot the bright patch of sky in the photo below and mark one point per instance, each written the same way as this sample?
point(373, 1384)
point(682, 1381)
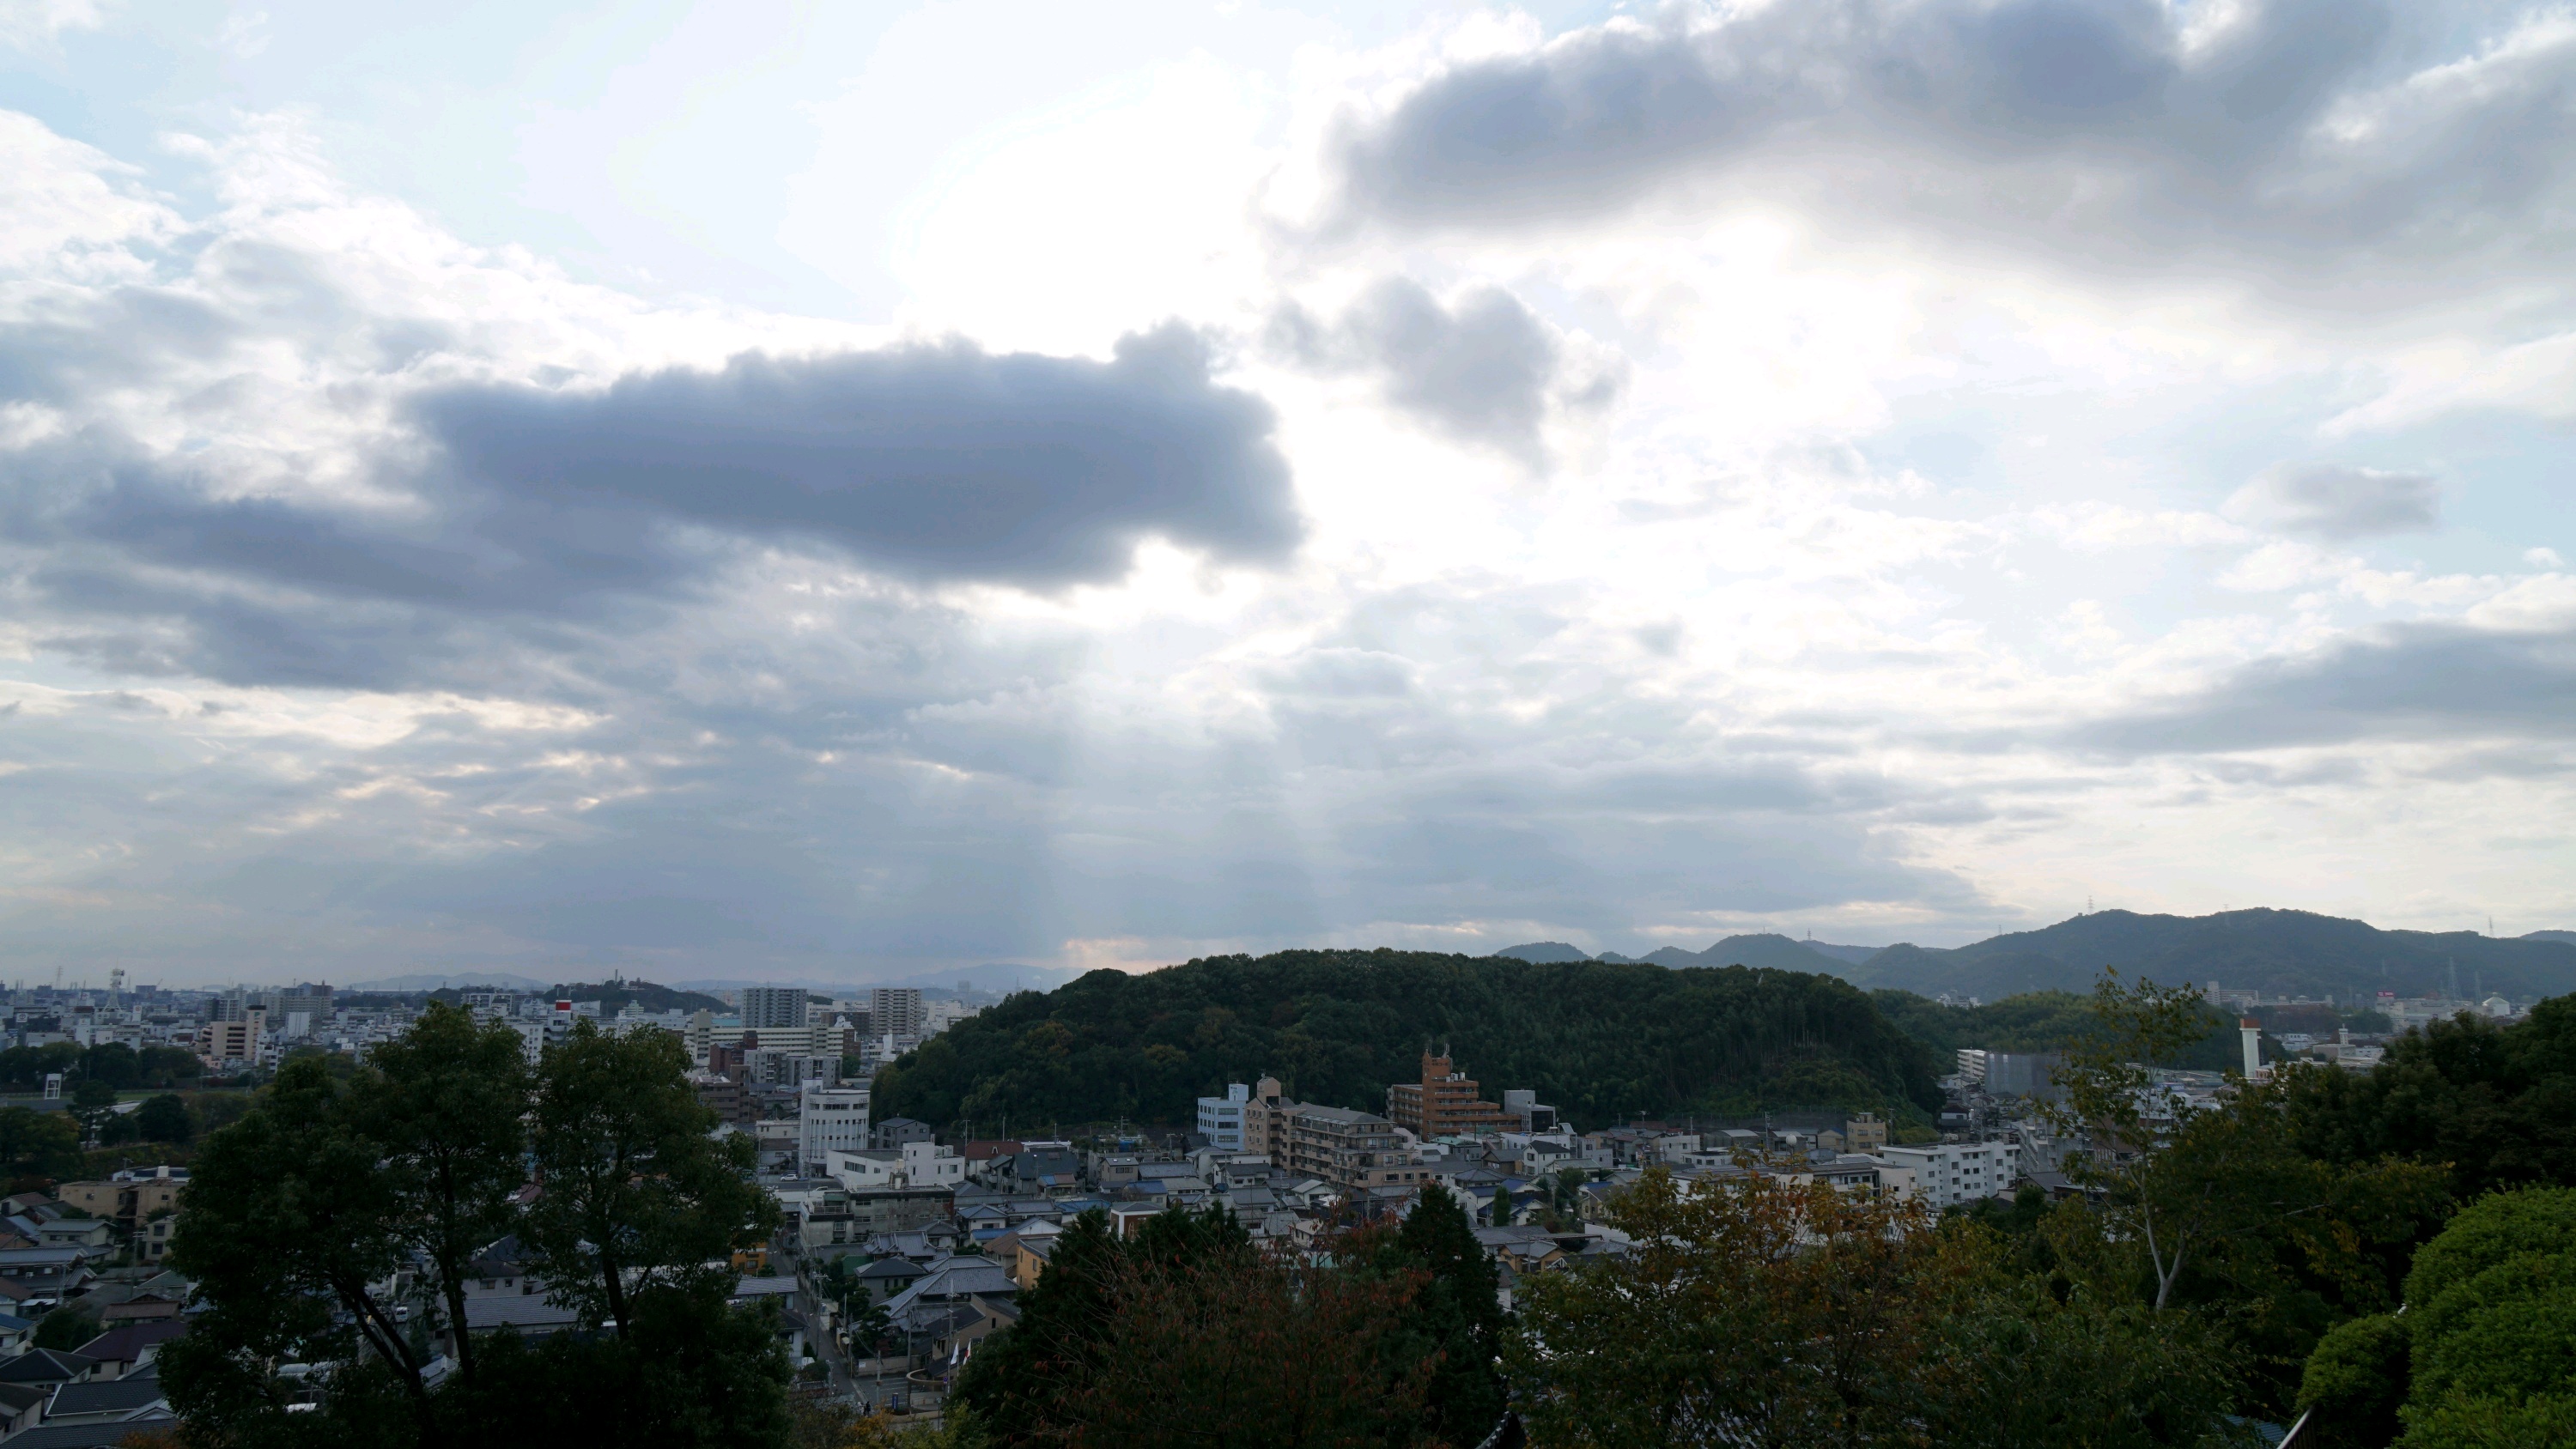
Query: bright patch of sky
point(774, 489)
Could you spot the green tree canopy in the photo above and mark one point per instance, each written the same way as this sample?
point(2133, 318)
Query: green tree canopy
point(299, 1214)
point(1600, 1041)
point(2497, 1104)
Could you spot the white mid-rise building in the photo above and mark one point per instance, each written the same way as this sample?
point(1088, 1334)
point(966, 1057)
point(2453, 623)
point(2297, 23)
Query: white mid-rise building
point(1221, 1118)
point(829, 1120)
point(915, 1164)
point(1949, 1173)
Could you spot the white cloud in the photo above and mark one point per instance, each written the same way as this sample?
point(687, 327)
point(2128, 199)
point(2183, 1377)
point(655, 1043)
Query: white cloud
point(33, 25)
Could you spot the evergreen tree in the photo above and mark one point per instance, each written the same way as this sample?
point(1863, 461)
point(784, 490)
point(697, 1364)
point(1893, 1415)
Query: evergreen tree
point(444, 1102)
point(164, 1119)
point(289, 1231)
point(635, 1194)
point(1457, 1314)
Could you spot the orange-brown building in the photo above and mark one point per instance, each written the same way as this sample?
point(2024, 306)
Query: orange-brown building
point(1444, 1104)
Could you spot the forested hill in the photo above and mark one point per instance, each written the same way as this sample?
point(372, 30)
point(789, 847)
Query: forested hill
point(2280, 953)
point(1601, 1041)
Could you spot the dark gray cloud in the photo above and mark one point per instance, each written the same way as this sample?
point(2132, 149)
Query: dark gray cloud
point(939, 462)
point(2330, 500)
point(2023, 122)
point(1485, 369)
point(542, 518)
point(2419, 680)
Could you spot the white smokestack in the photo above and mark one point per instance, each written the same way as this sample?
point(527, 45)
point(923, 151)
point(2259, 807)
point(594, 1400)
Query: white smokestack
point(2252, 1031)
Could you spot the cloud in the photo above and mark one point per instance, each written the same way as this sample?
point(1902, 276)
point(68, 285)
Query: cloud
point(536, 510)
point(933, 462)
point(2342, 134)
point(2335, 501)
point(2428, 680)
point(1482, 369)
point(34, 24)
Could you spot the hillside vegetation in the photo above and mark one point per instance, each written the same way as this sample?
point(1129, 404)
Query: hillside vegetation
point(1601, 1041)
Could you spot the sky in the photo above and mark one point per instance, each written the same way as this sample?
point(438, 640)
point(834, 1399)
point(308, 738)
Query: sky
point(792, 490)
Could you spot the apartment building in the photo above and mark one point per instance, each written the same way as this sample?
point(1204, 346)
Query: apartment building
point(1351, 1150)
point(1444, 1104)
point(768, 1008)
point(1949, 1173)
point(895, 1011)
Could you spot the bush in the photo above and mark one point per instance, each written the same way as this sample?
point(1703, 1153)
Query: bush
point(66, 1328)
point(2355, 1382)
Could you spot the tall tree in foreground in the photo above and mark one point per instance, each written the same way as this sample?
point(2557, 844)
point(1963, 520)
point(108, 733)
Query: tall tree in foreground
point(444, 1102)
point(1189, 1335)
point(1748, 1312)
point(1758, 1312)
point(2211, 1208)
point(1456, 1319)
point(634, 1194)
point(298, 1215)
point(289, 1231)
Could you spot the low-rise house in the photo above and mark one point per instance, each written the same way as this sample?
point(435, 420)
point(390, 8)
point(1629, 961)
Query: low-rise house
point(16, 1334)
point(926, 1210)
point(887, 1277)
point(1523, 1249)
point(122, 1401)
point(48, 1367)
point(152, 1237)
point(1045, 1166)
point(130, 1346)
point(894, 1133)
point(529, 1317)
point(501, 1271)
point(48, 1275)
point(1023, 1251)
point(22, 1406)
point(142, 1307)
point(989, 1160)
point(75, 1233)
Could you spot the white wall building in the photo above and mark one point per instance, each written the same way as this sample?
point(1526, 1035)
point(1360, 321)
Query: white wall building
point(1948, 1173)
point(1221, 1118)
point(915, 1164)
point(828, 1120)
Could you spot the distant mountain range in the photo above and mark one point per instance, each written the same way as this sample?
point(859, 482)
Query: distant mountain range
point(2279, 953)
point(463, 980)
point(992, 976)
point(1773, 951)
point(997, 976)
